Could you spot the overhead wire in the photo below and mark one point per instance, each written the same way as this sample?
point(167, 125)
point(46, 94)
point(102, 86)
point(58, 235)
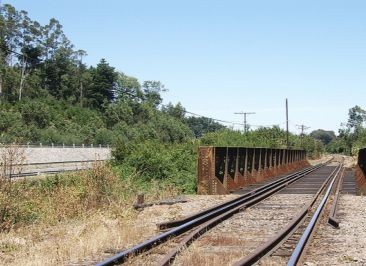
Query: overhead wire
point(214, 119)
point(231, 122)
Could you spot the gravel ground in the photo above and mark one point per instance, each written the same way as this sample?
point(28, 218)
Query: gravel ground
point(163, 213)
point(346, 245)
point(79, 240)
point(235, 238)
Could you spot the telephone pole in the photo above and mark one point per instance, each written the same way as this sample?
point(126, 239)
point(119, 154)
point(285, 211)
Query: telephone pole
point(245, 118)
point(303, 128)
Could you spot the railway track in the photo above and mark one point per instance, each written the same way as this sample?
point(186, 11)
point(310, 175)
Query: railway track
point(289, 245)
point(164, 248)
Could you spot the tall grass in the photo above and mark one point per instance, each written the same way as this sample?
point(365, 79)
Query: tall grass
point(66, 196)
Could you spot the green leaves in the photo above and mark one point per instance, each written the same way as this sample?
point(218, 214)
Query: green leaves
point(153, 160)
point(102, 90)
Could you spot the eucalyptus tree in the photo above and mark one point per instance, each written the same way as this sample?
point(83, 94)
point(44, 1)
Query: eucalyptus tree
point(128, 88)
point(152, 92)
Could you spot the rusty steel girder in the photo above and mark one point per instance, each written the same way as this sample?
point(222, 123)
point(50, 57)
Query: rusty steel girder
point(360, 171)
point(222, 169)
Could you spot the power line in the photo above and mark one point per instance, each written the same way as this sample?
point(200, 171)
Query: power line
point(245, 118)
point(303, 128)
point(19, 54)
point(214, 119)
point(230, 122)
point(273, 125)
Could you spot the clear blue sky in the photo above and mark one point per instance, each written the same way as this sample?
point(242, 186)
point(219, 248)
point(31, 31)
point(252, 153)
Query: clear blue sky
point(221, 57)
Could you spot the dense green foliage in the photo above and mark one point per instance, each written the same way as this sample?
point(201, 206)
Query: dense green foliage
point(324, 136)
point(352, 135)
point(274, 137)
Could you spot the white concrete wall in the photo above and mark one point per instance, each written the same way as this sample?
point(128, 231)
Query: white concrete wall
point(59, 154)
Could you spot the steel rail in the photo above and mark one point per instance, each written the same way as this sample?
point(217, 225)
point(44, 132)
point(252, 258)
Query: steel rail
point(171, 224)
point(261, 251)
point(300, 247)
point(332, 219)
point(197, 220)
point(167, 260)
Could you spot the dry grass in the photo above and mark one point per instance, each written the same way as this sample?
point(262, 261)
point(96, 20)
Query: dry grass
point(57, 198)
point(11, 161)
point(68, 241)
point(74, 218)
point(71, 217)
point(85, 238)
point(210, 255)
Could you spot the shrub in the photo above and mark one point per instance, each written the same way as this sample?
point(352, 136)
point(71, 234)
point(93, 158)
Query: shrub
point(173, 163)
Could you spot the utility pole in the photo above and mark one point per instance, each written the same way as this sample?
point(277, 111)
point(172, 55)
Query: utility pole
point(245, 118)
point(303, 128)
point(287, 143)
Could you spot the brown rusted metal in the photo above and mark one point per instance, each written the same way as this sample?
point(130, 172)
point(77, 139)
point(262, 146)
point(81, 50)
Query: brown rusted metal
point(224, 169)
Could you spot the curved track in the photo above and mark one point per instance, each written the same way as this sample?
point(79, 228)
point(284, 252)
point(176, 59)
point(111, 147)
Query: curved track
point(187, 230)
point(289, 244)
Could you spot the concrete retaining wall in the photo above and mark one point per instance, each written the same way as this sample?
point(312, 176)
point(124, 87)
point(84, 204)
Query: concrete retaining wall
point(59, 154)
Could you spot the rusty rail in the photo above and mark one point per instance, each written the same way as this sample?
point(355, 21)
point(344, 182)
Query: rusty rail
point(332, 219)
point(299, 250)
point(247, 196)
point(272, 243)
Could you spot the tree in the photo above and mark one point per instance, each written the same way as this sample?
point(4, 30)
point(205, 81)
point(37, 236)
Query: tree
point(177, 111)
point(351, 132)
point(356, 117)
point(128, 88)
point(2, 49)
point(53, 39)
point(9, 39)
point(203, 125)
point(19, 43)
point(152, 90)
point(60, 75)
point(324, 136)
point(80, 54)
point(103, 86)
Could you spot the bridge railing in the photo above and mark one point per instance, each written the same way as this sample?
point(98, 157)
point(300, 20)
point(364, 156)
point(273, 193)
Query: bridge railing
point(222, 169)
point(360, 171)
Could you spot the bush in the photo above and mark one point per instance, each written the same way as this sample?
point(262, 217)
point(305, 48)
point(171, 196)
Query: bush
point(59, 197)
point(173, 163)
